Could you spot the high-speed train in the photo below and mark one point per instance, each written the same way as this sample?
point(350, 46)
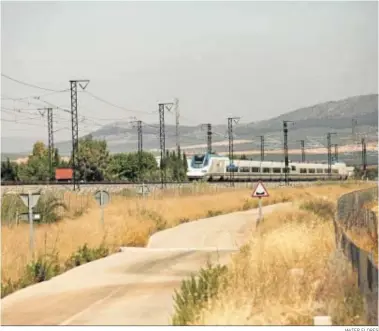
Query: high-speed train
point(213, 167)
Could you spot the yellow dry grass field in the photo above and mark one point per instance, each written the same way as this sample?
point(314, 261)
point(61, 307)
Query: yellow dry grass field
point(129, 221)
point(287, 274)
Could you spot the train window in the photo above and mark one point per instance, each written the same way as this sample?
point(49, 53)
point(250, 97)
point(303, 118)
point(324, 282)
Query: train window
point(303, 171)
point(334, 171)
point(326, 171)
point(311, 171)
point(319, 171)
point(293, 168)
point(254, 169)
point(276, 170)
point(244, 169)
point(232, 169)
point(266, 170)
point(197, 161)
point(284, 170)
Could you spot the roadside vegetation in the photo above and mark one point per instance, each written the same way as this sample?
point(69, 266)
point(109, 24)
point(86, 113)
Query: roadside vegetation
point(96, 164)
point(75, 234)
point(288, 273)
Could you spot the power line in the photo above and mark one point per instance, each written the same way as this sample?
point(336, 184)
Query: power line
point(116, 106)
point(30, 85)
point(33, 96)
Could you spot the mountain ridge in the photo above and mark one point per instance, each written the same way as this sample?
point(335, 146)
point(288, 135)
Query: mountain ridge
point(311, 124)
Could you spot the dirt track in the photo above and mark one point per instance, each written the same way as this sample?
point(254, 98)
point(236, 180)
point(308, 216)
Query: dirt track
point(135, 286)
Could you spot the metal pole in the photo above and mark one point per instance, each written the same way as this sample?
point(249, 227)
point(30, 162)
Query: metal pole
point(162, 139)
point(329, 142)
point(102, 207)
point(50, 140)
point(209, 138)
point(302, 142)
point(75, 128)
point(231, 148)
point(364, 158)
point(31, 230)
point(162, 144)
point(262, 147)
point(285, 147)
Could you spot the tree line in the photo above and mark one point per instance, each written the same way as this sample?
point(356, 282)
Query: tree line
point(95, 163)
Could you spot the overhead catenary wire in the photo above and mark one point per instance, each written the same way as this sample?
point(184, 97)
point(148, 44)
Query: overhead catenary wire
point(29, 84)
point(116, 106)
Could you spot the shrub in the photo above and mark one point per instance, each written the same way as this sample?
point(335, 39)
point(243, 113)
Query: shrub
point(194, 293)
point(213, 213)
point(48, 207)
point(47, 266)
point(44, 268)
point(320, 207)
point(11, 207)
point(84, 255)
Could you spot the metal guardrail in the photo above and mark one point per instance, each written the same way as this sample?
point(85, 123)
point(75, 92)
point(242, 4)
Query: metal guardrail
point(351, 213)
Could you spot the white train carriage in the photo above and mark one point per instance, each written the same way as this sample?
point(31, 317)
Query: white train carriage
point(213, 167)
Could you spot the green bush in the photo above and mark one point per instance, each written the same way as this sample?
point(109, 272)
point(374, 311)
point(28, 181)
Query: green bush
point(195, 293)
point(213, 213)
point(47, 266)
point(84, 255)
point(11, 207)
point(320, 207)
point(48, 207)
point(44, 268)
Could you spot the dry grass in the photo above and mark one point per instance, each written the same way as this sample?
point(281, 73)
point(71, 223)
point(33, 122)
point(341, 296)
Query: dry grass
point(130, 221)
point(288, 274)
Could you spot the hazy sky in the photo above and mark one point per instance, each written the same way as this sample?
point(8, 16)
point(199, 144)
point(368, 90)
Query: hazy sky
point(255, 60)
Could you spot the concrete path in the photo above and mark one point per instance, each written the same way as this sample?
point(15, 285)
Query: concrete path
point(135, 286)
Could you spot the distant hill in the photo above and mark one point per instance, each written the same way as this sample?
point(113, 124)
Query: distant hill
point(311, 124)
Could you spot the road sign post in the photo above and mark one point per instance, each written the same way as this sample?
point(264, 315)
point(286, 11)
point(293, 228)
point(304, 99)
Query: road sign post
point(143, 190)
point(30, 200)
point(102, 198)
point(260, 192)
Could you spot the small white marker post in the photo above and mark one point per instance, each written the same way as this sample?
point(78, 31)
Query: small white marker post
point(102, 197)
point(260, 192)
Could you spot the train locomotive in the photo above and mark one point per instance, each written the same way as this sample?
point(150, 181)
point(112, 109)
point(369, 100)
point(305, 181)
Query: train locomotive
point(213, 167)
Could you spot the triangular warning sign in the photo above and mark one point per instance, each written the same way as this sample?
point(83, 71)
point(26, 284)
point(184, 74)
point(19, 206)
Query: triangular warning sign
point(260, 191)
